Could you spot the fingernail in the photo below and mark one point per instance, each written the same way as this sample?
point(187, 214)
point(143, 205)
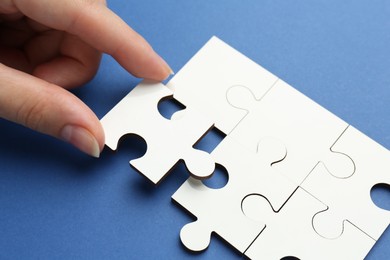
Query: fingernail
point(167, 68)
point(82, 139)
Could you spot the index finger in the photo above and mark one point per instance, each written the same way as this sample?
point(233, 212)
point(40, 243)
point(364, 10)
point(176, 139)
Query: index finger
point(98, 26)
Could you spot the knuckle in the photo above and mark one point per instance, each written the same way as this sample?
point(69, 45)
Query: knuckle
point(31, 116)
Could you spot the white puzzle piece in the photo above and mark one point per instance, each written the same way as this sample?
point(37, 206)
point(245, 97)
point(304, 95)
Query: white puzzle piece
point(203, 82)
point(349, 199)
point(307, 130)
point(168, 141)
point(219, 210)
point(290, 233)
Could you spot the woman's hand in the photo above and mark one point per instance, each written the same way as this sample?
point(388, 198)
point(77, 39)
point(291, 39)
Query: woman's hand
point(47, 47)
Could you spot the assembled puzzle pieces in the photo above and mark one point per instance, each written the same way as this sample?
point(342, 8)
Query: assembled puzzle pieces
point(307, 130)
point(168, 141)
point(290, 233)
point(349, 198)
point(219, 210)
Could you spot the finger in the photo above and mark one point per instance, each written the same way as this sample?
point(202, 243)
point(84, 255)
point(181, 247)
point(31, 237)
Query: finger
point(49, 109)
point(70, 64)
point(98, 26)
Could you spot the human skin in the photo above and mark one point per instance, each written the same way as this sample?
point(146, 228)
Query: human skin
point(48, 47)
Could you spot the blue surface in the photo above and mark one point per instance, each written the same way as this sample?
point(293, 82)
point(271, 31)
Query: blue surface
point(56, 203)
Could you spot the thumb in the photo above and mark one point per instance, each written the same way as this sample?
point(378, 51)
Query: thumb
point(49, 109)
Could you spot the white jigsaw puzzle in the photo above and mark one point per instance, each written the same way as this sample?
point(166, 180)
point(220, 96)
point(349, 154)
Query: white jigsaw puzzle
point(299, 177)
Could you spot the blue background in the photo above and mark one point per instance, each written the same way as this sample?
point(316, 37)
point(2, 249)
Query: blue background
point(58, 203)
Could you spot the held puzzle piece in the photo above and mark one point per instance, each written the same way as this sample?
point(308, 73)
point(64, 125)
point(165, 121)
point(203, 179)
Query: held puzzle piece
point(299, 177)
point(168, 141)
